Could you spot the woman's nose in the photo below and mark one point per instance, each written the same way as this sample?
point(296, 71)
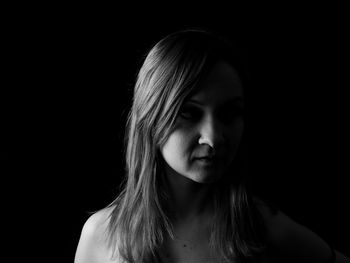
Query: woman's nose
point(211, 132)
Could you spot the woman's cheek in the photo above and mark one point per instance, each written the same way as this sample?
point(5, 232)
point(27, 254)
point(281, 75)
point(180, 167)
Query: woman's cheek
point(178, 142)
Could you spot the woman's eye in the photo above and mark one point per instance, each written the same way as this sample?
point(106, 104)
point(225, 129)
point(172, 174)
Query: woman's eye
point(231, 115)
point(227, 115)
point(190, 113)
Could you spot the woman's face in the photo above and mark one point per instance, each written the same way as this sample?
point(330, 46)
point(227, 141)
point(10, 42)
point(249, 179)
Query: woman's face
point(208, 129)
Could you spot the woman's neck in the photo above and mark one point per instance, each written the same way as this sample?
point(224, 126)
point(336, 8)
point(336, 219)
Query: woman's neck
point(188, 199)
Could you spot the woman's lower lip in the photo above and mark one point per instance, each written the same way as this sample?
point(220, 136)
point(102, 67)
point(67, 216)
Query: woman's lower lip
point(207, 161)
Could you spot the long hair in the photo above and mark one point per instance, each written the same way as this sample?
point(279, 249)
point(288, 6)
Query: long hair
point(139, 219)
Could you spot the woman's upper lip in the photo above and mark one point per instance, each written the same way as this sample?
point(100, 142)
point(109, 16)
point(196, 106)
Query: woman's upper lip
point(213, 156)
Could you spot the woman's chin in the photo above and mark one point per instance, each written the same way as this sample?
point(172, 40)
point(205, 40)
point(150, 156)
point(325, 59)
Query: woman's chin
point(205, 177)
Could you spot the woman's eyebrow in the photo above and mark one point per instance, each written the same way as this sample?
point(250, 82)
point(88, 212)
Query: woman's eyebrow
point(194, 101)
point(235, 100)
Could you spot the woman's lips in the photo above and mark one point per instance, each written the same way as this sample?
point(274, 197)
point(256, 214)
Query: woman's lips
point(208, 161)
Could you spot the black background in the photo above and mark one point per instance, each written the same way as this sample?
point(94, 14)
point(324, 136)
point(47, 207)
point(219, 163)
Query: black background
point(69, 76)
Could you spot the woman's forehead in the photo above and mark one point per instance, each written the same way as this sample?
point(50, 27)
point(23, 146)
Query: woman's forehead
point(222, 84)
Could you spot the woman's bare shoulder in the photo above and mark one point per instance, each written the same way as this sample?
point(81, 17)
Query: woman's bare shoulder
point(92, 246)
point(289, 239)
point(97, 223)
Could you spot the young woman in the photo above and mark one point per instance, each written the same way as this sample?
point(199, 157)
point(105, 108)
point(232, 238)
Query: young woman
point(184, 197)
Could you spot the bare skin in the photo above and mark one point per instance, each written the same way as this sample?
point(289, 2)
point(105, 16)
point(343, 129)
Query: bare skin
point(288, 242)
point(92, 247)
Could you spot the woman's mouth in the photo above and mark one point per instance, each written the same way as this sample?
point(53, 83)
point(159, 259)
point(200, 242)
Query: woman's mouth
point(207, 161)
